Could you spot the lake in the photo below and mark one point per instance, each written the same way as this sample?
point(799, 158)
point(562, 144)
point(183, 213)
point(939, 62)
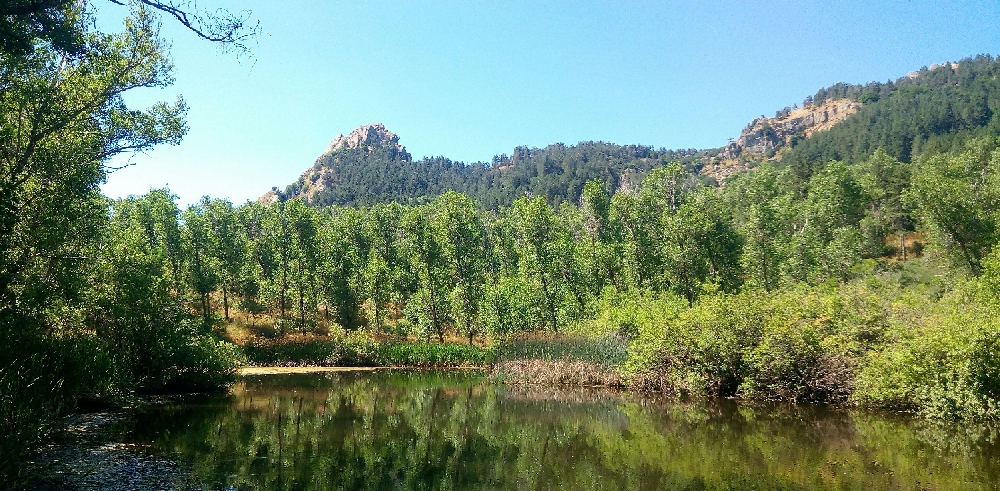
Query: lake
point(408, 429)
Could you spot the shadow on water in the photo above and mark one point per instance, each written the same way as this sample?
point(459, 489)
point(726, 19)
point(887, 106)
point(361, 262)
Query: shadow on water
point(454, 430)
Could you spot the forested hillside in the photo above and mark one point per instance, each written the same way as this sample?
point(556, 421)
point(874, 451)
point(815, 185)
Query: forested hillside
point(373, 168)
point(930, 110)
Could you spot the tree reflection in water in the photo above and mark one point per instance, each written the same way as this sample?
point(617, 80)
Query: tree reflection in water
point(455, 430)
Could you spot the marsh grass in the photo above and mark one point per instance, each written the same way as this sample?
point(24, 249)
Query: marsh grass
point(359, 349)
point(607, 351)
point(559, 373)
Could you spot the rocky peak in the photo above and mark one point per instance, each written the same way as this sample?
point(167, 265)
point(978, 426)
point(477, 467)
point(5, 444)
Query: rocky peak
point(934, 66)
point(367, 137)
point(371, 140)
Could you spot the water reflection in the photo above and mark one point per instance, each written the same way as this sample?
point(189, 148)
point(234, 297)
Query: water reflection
point(454, 430)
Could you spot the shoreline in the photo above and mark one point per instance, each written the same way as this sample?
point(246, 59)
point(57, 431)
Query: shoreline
point(282, 370)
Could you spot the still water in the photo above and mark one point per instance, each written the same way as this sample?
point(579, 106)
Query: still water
point(397, 429)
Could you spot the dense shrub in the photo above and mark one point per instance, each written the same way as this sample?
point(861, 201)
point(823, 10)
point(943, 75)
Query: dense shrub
point(204, 363)
point(868, 343)
point(941, 359)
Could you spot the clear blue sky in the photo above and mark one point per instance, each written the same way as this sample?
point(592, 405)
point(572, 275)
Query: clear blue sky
point(469, 80)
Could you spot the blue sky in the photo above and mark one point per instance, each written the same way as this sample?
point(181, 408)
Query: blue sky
point(470, 80)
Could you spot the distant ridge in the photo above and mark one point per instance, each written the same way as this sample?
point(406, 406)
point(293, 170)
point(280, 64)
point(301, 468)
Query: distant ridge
point(932, 108)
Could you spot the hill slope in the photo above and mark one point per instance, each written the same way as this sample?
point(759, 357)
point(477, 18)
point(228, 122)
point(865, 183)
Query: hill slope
point(369, 166)
point(930, 110)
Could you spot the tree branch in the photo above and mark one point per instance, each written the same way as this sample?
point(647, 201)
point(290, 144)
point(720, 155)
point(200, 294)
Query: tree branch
point(230, 30)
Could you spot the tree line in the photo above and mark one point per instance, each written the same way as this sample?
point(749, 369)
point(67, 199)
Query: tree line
point(451, 265)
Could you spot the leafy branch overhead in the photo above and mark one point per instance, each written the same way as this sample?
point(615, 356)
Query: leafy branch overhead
point(230, 30)
point(63, 24)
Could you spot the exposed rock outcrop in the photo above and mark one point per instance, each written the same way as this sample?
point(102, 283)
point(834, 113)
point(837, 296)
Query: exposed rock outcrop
point(763, 137)
point(934, 66)
point(367, 137)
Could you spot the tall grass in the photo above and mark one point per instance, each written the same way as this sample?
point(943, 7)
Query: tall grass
point(608, 350)
point(358, 349)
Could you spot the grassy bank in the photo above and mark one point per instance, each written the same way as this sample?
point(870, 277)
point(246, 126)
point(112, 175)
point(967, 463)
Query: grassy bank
point(355, 349)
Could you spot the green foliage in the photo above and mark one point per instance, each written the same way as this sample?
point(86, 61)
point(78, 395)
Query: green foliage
point(941, 361)
point(510, 307)
point(958, 198)
point(869, 343)
point(90, 303)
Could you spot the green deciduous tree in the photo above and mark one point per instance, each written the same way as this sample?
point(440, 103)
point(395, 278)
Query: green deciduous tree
point(459, 224)
point(958, 198)
point(200, 249)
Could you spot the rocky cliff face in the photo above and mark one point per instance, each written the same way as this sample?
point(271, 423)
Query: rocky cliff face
point(368, 138)
point(763, 137)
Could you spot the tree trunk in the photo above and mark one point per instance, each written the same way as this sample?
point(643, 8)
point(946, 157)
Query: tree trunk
point(550, 304)
point(225, 302)
point(302, 306)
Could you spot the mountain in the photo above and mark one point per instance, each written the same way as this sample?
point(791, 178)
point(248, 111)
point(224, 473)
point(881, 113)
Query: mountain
point(934, 110)
point(931, 110)
point(369, 166)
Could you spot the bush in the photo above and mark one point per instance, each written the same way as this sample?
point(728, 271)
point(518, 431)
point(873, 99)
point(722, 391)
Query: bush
point(698, 349)
point(798, 345)
point(870, 343)
point(205, 363)
point(294, 350)
point(942, 361)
